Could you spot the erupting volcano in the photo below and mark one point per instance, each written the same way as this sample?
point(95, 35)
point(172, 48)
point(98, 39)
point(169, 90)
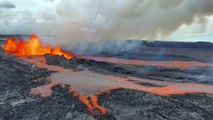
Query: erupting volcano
point(106, 60)
point(87, 84)
point(33, 48)
point(103, 86)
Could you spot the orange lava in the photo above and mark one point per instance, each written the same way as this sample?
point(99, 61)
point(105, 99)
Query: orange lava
point(87, 85)
point(91, 101)
point(33, 48)
point(167, 64)
point(92, 104)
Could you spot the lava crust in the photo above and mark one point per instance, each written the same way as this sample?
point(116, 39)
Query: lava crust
point(19, 78)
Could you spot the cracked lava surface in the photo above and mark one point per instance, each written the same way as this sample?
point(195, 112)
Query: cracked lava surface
point(87, 85)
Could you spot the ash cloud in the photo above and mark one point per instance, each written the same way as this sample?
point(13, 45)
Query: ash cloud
point(94, 20)
point(71, 22)
point(7, 5)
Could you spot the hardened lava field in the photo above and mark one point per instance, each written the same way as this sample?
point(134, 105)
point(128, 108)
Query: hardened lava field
point(175, 85)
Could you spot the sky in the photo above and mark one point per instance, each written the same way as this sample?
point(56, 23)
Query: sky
point(74, 21)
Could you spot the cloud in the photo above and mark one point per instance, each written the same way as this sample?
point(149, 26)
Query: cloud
point(80, 21)
point(93, 20)
point(7, 5)
point(49, 0)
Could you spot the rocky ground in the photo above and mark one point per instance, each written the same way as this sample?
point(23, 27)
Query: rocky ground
point(17, 78)
point(196, 74)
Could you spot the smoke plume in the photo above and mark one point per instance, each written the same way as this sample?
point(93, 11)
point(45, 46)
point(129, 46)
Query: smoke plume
point(6, 5)
point(79, 21)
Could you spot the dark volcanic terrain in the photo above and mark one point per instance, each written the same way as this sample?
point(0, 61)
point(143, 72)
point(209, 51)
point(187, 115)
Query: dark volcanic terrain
point(18, 78)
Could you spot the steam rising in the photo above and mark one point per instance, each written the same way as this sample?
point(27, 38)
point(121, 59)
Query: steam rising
point(6, 5)
point(74, 21)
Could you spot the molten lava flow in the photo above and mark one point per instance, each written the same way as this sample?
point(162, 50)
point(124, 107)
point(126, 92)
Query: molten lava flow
point(92, 105)
point(87, 84)
point(167, 64)
point(32, 48)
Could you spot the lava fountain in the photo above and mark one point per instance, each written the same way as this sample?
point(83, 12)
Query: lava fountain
point(87, 84)
point(33, 47)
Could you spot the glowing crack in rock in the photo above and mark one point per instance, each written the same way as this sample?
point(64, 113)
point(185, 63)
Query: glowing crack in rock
point(88, 84)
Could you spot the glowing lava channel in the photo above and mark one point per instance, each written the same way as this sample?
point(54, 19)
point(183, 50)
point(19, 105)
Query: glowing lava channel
point(166, 64)
point(33, 48)
point(87, 84)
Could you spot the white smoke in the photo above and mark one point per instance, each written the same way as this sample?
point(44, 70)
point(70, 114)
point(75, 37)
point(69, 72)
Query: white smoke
point(74, 21)
point(7, 5)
